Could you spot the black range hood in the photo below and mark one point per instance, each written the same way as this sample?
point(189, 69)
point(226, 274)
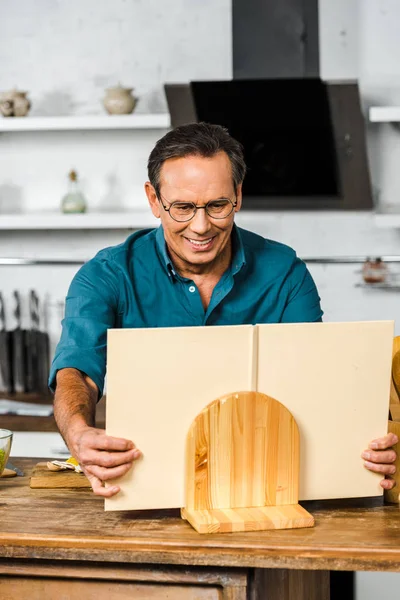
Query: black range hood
point(303, 139)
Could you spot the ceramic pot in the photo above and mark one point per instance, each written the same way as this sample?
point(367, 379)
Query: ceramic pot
point(14, 104)
point(21, 104)
point(119, 101)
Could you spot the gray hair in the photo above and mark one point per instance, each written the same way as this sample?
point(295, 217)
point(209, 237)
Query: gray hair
point(196, 139)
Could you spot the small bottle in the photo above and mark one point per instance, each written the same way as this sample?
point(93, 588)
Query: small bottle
point(73, 201)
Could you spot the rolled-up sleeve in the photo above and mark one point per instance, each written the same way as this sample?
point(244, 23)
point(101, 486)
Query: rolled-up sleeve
point(303, 303)
point(90, 309)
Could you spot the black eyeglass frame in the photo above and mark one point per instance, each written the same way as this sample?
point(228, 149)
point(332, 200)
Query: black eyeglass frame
point(196, 208)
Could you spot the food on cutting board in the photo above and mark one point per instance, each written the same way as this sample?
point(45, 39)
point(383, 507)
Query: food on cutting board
point(70, 464)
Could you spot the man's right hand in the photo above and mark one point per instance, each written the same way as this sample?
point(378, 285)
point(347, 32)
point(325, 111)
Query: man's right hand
point(102, 457)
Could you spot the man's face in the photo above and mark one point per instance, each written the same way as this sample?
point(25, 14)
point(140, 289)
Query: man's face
point(195, 179)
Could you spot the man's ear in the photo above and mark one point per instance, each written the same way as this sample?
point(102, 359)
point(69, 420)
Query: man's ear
point(152, 198)
point(238, 198)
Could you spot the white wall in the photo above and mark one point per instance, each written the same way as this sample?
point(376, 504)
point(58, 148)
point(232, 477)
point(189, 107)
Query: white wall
point(66, 53)
point(359, 39)
point(339, 39)
point(379, 73)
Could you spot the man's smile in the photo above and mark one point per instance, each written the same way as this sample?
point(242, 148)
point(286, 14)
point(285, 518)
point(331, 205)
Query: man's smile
point(202, 244)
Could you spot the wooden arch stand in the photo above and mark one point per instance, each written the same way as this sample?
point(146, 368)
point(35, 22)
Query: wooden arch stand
point(242, 467)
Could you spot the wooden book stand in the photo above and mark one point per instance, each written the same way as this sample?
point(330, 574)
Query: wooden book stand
point(242, 467)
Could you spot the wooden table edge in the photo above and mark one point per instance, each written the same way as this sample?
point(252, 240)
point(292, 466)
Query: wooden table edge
point(130, 550)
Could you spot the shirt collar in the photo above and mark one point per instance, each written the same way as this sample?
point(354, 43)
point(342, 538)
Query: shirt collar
point(162, 248)
point(238, 254)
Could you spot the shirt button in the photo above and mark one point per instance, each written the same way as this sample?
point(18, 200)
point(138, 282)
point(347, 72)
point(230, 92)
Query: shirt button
point(192, 289)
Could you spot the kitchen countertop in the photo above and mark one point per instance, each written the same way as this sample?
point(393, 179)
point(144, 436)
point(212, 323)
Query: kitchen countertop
point(72, 525)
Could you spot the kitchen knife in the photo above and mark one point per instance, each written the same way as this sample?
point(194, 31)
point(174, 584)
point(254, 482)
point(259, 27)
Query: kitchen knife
point(42, 346)
point(5, 352)
point(31, 348)
point(18, 349)
point(15, 469)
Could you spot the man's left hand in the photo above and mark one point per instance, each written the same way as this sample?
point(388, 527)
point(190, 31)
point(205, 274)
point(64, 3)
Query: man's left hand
point(379, 457)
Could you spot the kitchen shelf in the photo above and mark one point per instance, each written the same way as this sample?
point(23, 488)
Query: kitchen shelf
point(387, 220)
point(140, 219)
point(90, 122)
point(379, 286)
point(384, 114)
point(136, 219)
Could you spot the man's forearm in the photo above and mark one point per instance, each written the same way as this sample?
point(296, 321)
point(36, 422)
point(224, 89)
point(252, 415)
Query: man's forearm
point(74, 403)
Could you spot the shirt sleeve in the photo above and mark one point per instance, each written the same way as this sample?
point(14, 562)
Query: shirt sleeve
point(303, 302)
point(91, 308)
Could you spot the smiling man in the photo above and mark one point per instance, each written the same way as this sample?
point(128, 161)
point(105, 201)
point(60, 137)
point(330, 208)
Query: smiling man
point(197, 268)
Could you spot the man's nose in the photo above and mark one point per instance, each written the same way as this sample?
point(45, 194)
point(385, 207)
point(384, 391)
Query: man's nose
point(200, 223)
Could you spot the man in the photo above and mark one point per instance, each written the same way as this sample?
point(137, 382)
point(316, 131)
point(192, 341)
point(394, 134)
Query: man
point(198, 268)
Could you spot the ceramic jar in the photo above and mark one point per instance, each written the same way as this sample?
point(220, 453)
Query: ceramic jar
point(119, 101)
point(374, 270)
point(14, 103)
point(21, 104)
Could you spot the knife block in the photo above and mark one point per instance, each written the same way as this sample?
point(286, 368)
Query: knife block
point(242, 467)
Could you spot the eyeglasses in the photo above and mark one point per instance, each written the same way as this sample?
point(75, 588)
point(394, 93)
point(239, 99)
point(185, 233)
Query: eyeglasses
point(185, 211)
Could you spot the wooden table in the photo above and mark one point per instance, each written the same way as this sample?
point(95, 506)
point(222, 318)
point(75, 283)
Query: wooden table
point(60, 543)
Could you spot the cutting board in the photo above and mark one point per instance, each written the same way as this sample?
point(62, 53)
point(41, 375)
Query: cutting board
point(42, 477)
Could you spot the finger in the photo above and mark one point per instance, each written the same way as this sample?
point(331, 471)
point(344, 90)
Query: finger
point(101, 441)
point(383, 456)
point(99, 490)
point(107, 459)
point(105, 474)
point(384, 442)
point(379, 468)
point(387, 484)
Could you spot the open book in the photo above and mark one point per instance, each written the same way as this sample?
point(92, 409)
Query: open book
point(333, 377)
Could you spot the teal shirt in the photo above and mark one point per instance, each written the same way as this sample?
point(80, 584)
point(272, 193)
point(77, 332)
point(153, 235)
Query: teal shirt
point(134, 285)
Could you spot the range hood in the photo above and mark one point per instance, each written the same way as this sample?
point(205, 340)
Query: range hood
point(303, 139)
